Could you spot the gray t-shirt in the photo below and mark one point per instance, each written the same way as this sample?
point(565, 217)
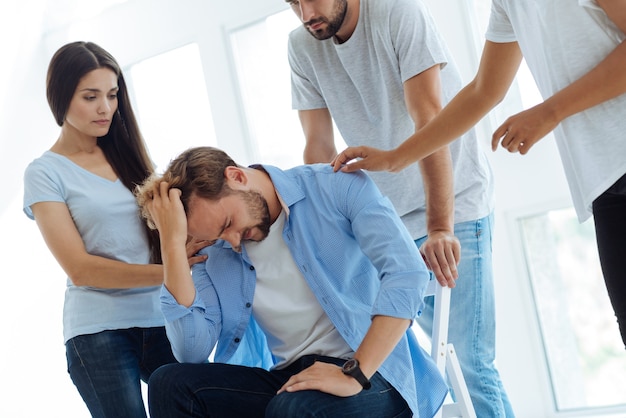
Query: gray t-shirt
point(361, 83)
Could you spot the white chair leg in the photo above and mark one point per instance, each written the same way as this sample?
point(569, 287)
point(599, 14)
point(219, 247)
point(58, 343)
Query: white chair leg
point(455, 375)
point(445, 357)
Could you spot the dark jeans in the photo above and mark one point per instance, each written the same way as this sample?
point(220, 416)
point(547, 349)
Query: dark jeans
point(219, 390)
point(107, 367)
point(609, 213)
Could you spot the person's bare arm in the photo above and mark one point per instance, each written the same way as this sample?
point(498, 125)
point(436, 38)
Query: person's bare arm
point(168, 214)
point(441, 250)
point(498, 65)
point(382, 337)
point(605, 81)
point(66, 245)
point(83, 269)
point(317, 126)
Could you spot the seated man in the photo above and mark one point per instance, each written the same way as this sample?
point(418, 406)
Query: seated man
point(309, 290)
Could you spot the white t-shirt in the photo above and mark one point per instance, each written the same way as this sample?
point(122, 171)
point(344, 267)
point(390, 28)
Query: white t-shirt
point(561, 41)
point(285, 307)
point(361, 83)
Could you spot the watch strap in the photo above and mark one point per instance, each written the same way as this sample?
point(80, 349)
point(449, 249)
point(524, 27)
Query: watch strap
point(353, 369)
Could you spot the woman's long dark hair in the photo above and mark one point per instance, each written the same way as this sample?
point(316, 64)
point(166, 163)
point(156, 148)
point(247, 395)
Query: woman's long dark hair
point(123, 146)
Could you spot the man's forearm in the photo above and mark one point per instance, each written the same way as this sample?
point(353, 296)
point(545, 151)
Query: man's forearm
point(317, 126)
point(439, 191)
point(177, 275)
point(380, 340)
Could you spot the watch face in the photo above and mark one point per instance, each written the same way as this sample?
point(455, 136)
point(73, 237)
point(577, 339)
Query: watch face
point(352, 368)
point(350, 365)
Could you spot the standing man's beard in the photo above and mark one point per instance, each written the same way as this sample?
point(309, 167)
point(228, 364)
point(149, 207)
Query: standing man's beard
point(333, 23)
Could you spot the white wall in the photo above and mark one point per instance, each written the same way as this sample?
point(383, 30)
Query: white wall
point(139, 29)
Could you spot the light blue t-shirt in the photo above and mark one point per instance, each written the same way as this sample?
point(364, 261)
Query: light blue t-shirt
point(355, 255)
point(107, 217)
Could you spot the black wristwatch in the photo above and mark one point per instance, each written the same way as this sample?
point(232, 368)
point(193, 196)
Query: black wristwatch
point(351, 368)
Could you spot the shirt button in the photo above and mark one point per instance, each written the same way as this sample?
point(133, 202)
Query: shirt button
point(251, 267)
point(248, 305)
point(237, 340)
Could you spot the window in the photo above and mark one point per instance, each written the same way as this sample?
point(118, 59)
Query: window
point(260, 55)
point(583, 348)
point(172, 104)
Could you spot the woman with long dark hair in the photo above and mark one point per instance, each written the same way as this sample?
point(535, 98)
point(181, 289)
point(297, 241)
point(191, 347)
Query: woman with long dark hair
point(80, 193)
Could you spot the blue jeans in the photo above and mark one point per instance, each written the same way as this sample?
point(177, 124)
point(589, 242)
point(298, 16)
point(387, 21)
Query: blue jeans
point(472, 327)
point(107, 367)
point(220, 390)
point(609, 215)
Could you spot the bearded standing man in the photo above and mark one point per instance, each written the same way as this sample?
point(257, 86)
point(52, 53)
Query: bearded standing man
point(380, 71)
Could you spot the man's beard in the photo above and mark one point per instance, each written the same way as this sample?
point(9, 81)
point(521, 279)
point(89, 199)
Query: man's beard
point(258, 209)
point(334, 22)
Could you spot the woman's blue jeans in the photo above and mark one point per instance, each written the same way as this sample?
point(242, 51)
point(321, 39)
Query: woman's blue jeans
point(220, 390)
point(609, 215)
point(107, 368)
point(472, 326)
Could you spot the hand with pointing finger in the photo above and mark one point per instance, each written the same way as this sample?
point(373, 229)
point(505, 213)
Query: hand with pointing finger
point(523, 130)
point(367, 158)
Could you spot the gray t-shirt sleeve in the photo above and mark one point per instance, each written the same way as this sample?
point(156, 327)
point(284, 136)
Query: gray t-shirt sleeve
point(305, 95)
point(415, 38)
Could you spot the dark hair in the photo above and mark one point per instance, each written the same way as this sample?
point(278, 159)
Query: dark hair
point(123, 145)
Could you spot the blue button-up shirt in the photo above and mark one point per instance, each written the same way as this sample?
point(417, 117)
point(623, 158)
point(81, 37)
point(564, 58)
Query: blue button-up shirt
point(357, 258)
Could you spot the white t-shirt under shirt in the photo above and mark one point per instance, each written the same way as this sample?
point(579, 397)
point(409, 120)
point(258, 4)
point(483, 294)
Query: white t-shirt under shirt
point(561, 41)
point(285, 307)
point(361, 83)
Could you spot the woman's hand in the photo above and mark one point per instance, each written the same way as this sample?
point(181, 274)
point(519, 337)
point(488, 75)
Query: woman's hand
point(193, 246)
